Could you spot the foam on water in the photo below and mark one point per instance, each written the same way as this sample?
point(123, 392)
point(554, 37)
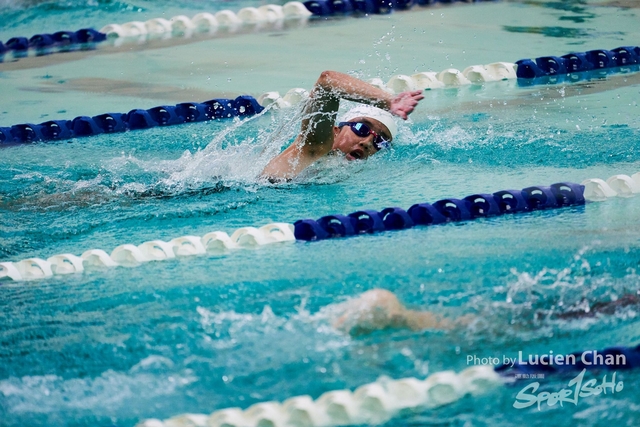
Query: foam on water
point(104, 394)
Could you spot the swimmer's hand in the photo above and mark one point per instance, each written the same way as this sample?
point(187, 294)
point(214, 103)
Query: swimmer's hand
point(404, 103)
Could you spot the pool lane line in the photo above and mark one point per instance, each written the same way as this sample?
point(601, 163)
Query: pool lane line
point(257, 18)
point(542, 97)
point(34, 59)
point(162, 32)
point(380, 401)
point(252, 19)
point(181, 25)
point(480, 205)
point(448, 78)
point(571, 68)
point(246, 105)
point(163, 115)
point(506, 202)
point(373, 403)
point(45, 44)
point(361, 222)
point(216, 242)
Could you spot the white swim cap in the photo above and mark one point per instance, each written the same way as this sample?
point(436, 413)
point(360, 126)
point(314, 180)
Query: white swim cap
point(371, 112)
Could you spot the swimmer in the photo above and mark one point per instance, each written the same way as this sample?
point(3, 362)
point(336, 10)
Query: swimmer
point(362, 132)
point(600, 308)
point(379, 309)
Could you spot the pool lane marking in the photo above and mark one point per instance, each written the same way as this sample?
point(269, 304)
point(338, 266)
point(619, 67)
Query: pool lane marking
point(35, 268)
point(374, 403)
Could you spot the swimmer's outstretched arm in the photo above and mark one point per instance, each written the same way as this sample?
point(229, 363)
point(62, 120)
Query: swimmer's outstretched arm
point(317, 133)
point(380, 309)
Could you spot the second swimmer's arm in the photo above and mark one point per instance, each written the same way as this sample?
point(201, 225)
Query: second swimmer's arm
point(380, 309)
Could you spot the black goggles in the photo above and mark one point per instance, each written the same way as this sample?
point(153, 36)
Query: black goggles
point(363, 130)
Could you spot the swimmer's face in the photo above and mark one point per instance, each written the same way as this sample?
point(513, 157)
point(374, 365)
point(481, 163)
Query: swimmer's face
point(358, 147)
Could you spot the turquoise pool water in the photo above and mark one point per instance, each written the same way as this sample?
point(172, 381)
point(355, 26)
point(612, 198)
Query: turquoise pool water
point(197, 334)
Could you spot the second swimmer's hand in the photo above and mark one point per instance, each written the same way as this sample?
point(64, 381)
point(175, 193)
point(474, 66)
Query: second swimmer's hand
point(404, 103)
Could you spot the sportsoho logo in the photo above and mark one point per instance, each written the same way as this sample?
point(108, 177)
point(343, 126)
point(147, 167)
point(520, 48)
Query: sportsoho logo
point(576, 389)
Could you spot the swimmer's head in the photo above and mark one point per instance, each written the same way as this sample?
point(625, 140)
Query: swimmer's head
point(369, 111)
point(363, 131)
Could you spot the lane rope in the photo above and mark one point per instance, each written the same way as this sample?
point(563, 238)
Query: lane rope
point(570, 68)
point(365, 221)
point(163, 115)
point(373, 403)
point(441, 212)
point(549, 70)
point(216, 242)
point(45, 44)
point(273, 15)
point(378, 402)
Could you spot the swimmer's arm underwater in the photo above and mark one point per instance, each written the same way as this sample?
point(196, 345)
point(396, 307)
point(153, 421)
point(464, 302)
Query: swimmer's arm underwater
point(379, 309)
point(318, 133)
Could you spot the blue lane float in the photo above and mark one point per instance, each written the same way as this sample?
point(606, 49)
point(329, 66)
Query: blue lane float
point(325, 8)
point(576, 66)
point(164, 115)
point(529, 199)
point(47, 43)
